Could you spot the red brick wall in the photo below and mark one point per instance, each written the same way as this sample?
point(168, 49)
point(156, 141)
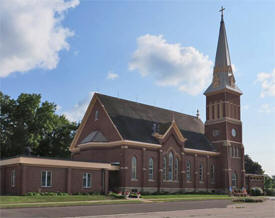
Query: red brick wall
point(106, 155)
point(126, 179)
point(103, 124)
point(31, 181)
point(59, 179)
point(6, 179)
point(154, 155)
point(77, 175)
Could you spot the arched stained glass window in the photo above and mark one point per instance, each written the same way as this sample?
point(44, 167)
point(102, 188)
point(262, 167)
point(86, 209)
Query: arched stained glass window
point(188, 170)
point(201, 172)
point(151, 169)
point(170, 166)
point(134, 167)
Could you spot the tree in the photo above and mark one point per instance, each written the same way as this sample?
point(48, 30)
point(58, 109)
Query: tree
point(251, 166)
point(29, 123)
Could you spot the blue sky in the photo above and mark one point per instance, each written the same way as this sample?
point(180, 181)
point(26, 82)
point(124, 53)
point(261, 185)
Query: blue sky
point(138, 50)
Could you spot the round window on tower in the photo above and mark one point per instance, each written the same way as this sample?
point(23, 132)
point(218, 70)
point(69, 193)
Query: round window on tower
point(234, 132)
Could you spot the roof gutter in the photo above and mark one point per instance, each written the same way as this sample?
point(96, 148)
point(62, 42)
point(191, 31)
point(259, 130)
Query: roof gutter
point(130, 143)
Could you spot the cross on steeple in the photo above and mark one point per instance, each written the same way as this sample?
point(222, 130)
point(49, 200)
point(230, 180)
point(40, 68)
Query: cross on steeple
point(222, 9)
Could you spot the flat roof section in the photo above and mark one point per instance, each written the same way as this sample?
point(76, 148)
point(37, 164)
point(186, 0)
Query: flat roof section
point(58, 163)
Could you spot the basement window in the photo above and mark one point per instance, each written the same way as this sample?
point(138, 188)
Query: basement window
point(46, 178)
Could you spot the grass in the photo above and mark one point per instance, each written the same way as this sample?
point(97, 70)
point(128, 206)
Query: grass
point(68, 203)
point(37, 199)
point(79, 200)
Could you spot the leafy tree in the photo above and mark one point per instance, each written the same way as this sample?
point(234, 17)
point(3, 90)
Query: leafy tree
point(268, 182)
point(28, 123)
point(251, 166)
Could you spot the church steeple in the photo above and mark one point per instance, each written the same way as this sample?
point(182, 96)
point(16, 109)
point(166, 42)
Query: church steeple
point(223, 77)
point(222, 54)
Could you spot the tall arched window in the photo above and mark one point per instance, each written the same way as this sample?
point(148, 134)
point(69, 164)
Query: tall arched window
point(96, 115)
point(176, 169)
point(234, 180)
point(170, 166)
point(164, 168)
point(151, 169)
point(201, 172)
point(134, 168)
point(212, 173)
point(188, 170)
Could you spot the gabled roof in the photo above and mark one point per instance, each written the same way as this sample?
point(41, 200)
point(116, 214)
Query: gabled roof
point(134, 121)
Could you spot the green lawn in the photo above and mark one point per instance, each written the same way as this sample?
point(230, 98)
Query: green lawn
point(30, 199)
point(74, 200)
point(68, 203)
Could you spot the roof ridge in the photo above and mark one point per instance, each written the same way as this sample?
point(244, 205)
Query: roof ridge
point(146, 105)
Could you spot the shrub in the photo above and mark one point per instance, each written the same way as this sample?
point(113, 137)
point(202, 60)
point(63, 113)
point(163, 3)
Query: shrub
point(256, 191)
point(248, 200)
point(115, 195)
point(46, 194)
point(33, 194)
point(62, 193)
point(145, 193)
point(270, 192)
point(133, 195)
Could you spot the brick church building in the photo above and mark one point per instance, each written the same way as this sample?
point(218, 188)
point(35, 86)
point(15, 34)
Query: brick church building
point(129, 146)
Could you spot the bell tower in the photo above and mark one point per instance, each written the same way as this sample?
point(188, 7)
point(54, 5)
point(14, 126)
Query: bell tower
point(223, 125)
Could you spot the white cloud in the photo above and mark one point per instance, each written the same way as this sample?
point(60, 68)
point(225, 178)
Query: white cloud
point(78, 111)
point(171, 64)
point(267, 81)
point(112, 75)
point(32, 34)
point(266, 108)
point(58, 108)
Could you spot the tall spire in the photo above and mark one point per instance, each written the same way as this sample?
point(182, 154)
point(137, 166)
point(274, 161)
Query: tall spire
point(223, 77)
point(222, 54)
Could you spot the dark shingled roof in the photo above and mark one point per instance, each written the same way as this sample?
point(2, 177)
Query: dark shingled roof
point(135, 122)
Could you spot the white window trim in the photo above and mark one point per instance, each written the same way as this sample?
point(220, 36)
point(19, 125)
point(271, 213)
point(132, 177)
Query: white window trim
point(235, 179)
point(46, 185)
point(86, 180)
point(151, 168)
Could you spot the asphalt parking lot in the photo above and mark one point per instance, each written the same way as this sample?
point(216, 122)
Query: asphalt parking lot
point(99, 210)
